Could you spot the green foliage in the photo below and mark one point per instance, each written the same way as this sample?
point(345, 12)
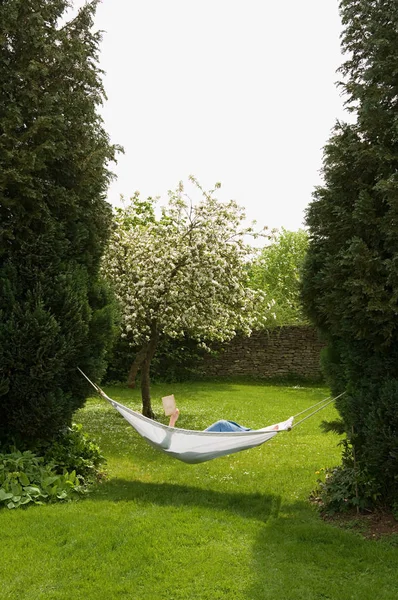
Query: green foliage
point(137, 213)
point(75, 450)
point(55, 312)
point(62, 472)
point(277, 272)
point(26, 479)
point(350, 283)
point(175, 359)
point(346, 486)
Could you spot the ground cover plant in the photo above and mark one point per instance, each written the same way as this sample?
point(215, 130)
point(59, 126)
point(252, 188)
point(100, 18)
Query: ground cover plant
point(57, 473)
point(239, 527)
point(25, 478)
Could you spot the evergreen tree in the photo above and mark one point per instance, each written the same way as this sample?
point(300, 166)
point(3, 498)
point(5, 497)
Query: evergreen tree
point(350, 285)
point(55, 313)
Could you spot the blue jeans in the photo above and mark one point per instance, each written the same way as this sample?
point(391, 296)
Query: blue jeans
point(226, 426)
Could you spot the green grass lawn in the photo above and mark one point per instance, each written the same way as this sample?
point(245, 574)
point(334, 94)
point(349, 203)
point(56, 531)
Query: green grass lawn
point(239, 527)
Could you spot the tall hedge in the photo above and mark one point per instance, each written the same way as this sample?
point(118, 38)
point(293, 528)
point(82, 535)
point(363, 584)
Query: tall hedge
point(55, 313)
point(350, 286)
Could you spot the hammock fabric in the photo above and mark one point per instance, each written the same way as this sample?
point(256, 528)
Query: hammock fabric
point(193, 446)
point(196, 446)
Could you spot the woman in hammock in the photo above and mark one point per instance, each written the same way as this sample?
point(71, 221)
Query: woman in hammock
point(222, 425)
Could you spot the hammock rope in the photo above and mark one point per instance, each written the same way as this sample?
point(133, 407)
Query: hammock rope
point(192, 446)
point(313, 406)
point(324, 405)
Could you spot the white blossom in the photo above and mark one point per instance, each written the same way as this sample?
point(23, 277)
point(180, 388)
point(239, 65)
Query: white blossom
point(185, 272)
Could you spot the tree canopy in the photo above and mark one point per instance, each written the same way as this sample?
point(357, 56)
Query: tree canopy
point(54, 220)
point(350, 286)
point(183, 272)
point(277, 271)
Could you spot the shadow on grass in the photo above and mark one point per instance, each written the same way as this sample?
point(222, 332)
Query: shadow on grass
point(253, 506)
point(295, 555)
point(309, 559)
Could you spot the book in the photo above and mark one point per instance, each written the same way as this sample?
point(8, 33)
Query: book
point(169, 405)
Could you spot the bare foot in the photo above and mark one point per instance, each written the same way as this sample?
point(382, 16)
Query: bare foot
point(174, 417)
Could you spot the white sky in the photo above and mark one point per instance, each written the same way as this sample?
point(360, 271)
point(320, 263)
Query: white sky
point(237, 91)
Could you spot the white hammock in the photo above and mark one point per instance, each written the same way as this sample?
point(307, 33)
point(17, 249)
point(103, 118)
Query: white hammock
point(196, 446)
point(193, 446)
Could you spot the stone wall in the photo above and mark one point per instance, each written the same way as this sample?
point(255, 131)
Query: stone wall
point(279, 353)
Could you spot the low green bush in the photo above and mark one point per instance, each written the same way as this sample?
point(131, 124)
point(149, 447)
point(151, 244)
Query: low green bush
point(62, 472)
point(26, 479)
point(346, 486)
point(75, 450)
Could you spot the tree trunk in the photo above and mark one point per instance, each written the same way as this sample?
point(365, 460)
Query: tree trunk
point(145, 390)
point(139, 359)
point(145, 376)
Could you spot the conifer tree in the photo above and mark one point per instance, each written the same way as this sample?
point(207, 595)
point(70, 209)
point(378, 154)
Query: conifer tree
point(350, 285)
point(55, 313)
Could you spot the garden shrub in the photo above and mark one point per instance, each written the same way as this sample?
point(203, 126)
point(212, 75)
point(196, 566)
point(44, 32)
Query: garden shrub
point(75, 450)
point(65, 470)
point(26, 479)
point(346, 486)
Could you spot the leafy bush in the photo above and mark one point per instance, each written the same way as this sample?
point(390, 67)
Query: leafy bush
point(64, 471)
point(26, 479)
point(346, 486)
point(74, 450)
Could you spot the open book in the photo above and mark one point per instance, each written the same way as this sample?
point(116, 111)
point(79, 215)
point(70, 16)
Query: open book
point(169, 405)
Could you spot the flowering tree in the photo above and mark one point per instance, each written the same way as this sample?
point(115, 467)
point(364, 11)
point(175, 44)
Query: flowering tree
point(182, 273)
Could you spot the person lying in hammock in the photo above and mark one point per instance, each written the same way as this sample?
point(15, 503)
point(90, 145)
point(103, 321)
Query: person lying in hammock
point(220, 426)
